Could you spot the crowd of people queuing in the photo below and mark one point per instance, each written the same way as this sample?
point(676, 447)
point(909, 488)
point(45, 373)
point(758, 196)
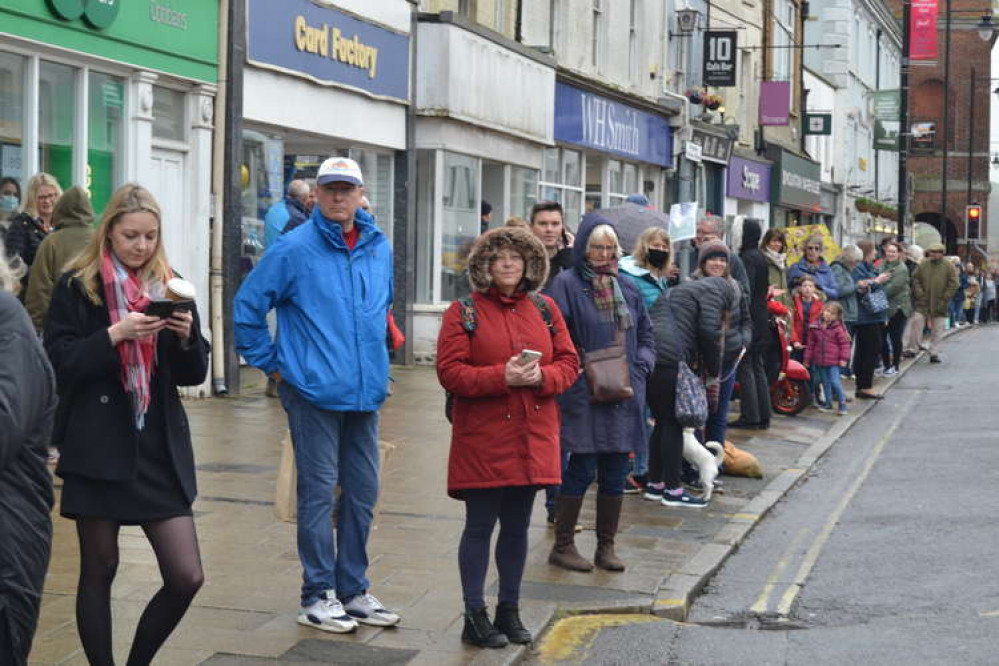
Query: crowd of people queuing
point(561, 367)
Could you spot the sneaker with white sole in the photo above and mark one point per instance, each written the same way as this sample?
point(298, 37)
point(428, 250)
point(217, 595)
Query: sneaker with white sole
point(327, 614)
point(652, 493)
point(684, 500)
point(890, 372)
point(366, 609)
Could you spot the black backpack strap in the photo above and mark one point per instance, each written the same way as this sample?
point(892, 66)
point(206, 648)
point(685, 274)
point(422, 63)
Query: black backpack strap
point(542, 305)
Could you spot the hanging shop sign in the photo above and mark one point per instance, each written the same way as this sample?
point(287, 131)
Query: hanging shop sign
point(923, 30)
point(775, 103)
point(818, 124)
point(592, 121)
point(720, 58)
point(748, 180)
point(887, 114)
point(329, 47)
point(714, 148)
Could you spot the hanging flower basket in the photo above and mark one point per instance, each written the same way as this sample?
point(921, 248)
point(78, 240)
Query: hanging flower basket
point(694, 96)
point(863, 205)
point(713, 102)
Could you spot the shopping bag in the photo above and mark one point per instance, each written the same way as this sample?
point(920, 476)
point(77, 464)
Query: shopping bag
point(286, 488)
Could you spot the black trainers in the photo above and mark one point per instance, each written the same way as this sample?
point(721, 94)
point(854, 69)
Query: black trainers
point(652, 493)
point(684, 500)
point(935, 358)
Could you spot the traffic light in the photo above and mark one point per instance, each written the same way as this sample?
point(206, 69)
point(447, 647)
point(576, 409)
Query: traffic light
point(972, 221)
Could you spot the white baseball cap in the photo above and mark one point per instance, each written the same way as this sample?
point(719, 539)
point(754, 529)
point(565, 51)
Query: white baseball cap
point(340, 169)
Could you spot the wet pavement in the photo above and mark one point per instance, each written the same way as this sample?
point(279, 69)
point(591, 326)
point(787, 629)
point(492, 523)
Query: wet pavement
point(245, 613)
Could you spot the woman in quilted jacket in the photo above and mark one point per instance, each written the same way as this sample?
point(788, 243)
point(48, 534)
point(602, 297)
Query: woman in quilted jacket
point(505, 433)
point(828, 350)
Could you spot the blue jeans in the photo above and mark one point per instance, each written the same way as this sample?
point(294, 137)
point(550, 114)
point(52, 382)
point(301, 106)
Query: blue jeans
point(717, 425)
point(333, 448)
point(609, 470)
point(552, 491)
point(828, 377)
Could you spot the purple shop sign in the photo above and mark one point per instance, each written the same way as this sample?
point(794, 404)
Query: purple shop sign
point(748, 180)
point(775, 102)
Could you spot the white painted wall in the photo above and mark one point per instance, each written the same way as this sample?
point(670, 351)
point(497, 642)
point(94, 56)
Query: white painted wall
point(467, 77)
point(992, 223)
point(394, 14)
point(288, 101)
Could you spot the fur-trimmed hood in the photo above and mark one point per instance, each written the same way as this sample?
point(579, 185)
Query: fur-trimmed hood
point(520, 240)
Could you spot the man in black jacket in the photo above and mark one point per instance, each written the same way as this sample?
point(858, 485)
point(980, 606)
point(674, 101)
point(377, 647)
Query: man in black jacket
point(27, 408)
point(547, 223)
point(755, 394)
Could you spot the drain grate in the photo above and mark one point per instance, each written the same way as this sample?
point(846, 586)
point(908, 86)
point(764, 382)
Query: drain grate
point(754, 622)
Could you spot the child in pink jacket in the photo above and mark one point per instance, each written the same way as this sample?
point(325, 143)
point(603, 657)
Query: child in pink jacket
point(827, 351)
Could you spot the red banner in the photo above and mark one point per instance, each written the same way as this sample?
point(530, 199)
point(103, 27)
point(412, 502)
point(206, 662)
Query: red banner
point(923, 30)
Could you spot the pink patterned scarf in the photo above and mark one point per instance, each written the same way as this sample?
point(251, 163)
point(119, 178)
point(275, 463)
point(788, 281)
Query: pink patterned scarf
point(124, 293)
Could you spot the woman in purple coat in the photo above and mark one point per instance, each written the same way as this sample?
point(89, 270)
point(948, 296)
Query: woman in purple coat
point(597, 306)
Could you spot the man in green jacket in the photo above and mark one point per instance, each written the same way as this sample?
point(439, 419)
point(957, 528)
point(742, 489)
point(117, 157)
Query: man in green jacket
point(933, 285)
point(73, 220)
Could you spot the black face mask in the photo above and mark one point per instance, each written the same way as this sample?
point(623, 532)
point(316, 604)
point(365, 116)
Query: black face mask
point(658, 258)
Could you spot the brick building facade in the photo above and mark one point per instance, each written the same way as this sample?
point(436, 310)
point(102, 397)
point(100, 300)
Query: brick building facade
point(968, 53)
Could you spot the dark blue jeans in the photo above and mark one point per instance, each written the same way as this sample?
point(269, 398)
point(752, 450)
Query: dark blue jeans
point(717, 423)
point(609, 470)
point(333, 448)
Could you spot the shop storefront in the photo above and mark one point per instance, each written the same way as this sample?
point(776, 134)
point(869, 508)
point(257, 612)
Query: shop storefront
point(715, 149)
point(748, 188)
point(796, 189)
point(320, 82)
point(103, 93)
point(473, 146)
point(606, 150)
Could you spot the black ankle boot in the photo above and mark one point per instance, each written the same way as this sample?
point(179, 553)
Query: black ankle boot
point(508, 621)
point(479, 631)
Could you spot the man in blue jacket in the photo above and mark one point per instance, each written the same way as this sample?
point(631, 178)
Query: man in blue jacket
point(330, 281)
point(287, 213)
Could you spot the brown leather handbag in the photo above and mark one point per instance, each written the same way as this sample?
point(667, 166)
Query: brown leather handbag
point(608, 374)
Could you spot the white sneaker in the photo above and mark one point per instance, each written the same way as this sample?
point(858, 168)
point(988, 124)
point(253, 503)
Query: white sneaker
point(366, 609)
point(327, 614)
point(890, 372)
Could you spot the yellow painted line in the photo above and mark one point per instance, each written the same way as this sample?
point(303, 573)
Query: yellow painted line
point(994, 613)
point(572, 637)
point(812, 556)
point(669, 603)
point(746, 516)
point(761, 602)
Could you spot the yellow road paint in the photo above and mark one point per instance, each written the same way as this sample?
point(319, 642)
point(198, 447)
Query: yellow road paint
point(994, 613)
point(746, 516)
point(812, 555)
point(572, 637)
point(668, 603)
point(761, 602)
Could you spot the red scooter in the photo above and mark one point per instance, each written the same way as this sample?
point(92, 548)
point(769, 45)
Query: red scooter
point(790, 393)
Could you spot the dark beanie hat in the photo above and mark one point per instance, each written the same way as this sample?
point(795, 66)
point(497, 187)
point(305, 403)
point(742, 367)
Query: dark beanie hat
point(715, 248)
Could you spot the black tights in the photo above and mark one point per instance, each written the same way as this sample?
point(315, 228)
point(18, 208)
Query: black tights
point(176, 546)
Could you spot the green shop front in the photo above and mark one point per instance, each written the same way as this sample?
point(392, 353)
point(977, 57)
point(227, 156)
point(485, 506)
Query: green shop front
point(796, 184)
point(103, 92)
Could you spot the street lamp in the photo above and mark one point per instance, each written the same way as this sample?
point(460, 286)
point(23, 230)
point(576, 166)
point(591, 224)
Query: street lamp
point(986, 28)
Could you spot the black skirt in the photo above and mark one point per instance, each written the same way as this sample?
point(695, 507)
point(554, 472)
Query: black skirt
point(154, 494)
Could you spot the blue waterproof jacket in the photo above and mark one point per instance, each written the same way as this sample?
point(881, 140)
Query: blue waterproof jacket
point(332, 306)
point(283, 216)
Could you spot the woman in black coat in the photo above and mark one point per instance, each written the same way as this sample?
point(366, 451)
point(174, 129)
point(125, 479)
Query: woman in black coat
point(122, 431)
point(27, 403)
point(755, 393)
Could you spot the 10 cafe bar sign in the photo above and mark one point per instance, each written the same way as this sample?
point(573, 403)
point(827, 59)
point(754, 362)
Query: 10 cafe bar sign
point(586, 119)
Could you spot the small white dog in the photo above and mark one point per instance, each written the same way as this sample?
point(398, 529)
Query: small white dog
point(707, 458)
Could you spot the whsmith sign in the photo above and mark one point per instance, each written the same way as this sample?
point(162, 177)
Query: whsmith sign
point(593, 121)
point(329, 46)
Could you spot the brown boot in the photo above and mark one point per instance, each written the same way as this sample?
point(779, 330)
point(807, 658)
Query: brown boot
point(608, 513)
point(564, 553)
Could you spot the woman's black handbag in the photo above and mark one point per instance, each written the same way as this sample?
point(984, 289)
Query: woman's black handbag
point(875, 301)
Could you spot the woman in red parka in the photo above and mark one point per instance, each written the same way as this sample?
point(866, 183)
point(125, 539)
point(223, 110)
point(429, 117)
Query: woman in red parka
point(505, 431)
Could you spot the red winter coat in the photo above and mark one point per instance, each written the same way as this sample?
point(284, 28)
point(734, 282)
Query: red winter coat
point(503, 436)
point(828, 345)
point(798, 324)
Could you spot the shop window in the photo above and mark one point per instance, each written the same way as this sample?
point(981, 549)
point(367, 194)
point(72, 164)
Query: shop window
point(57, 120)
point(562, 181)
point(378, 177)
point(168, 114)
point(460, 201)
point(12, 116)
point(105, 117)
point(523, 191)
